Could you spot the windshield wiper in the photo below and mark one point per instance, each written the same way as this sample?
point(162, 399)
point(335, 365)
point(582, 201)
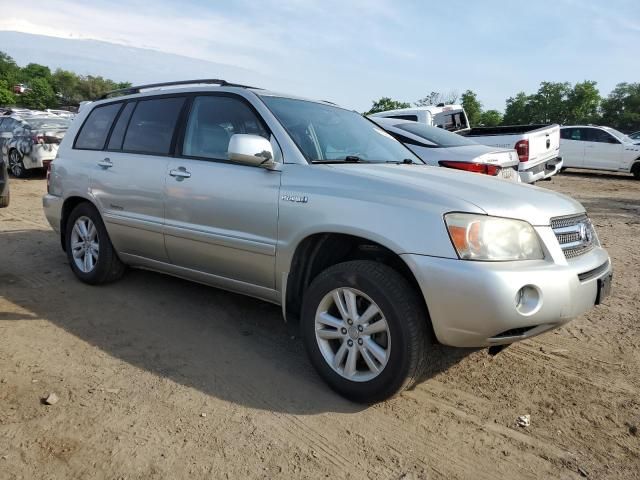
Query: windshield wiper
point(347, 159)
point(406, 161)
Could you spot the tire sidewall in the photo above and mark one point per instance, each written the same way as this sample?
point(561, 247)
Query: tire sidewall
point(396, 370)
point(101, 268)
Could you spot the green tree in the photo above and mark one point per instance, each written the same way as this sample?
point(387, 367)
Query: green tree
point(491, 118)
point(548, 104)
point(39, 96)
point(621, 109)
point(6, 95)
point(382, 105)
point(33, 71)
point(473, 107)
point(583, 103)
point(92, 88)
point(65, 83)
point(9, 71)
point(518, 110)
point(435, 98)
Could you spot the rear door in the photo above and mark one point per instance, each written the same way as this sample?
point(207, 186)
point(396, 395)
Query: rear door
point(221, 217)
point(602, 150)
point(128, 176)
point(572, 144)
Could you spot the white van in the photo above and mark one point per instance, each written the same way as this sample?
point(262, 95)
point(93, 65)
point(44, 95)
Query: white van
point(449, 117)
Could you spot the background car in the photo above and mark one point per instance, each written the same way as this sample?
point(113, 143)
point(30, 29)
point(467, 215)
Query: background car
point(599, 148)
point(438, 147)
point(30, 142)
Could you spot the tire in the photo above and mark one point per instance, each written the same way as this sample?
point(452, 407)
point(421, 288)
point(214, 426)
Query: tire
point(4, 201)
point(16, 165)
point(404, 341)
point(105, 266)
point(636, 171)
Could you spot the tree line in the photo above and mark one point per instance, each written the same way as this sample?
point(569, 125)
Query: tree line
point(554, 102)
point(46, 89)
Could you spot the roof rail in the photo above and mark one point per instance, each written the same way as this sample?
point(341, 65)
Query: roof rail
point(138, 88)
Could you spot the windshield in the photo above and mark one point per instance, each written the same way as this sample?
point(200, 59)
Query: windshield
point(326, 133)
point(435, 135)
point(619, 135)
point(48, 122)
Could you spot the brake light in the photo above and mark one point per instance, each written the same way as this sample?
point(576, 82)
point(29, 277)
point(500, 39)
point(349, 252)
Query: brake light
point(483, 168)
point(37, 139)
point(522, 147)
point(41, 139)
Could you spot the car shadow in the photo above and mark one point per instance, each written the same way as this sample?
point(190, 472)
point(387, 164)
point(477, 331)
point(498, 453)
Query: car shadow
point(225, 345)
point(597, 174)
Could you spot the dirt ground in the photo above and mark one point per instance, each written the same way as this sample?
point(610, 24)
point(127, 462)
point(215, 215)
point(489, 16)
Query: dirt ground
point(161, 378)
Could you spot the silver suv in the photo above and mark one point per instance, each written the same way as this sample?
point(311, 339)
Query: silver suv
point(315, 208)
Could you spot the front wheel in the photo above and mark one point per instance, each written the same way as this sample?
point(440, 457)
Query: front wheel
point(16, 165)
point(365, 330)
point(89, 249)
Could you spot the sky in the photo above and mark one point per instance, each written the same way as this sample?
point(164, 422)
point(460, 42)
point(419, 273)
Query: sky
point(354, 51)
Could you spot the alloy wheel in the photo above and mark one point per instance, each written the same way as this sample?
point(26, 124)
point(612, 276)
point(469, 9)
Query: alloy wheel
point(352, 334)
point(85, 245)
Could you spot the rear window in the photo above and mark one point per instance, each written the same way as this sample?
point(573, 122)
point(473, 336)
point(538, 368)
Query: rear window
point(152, 125)
point(94, 132)
point(437, 136)
point(413, 118)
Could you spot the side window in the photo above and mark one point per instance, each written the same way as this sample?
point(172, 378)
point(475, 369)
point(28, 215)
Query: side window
point(566, 133)
point(577, 134)
point(152, 125)
point(600, 136)
point(212, 122)
point(117, 135)
point(94, 132)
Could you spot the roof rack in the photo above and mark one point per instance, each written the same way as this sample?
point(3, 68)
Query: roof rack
point(138, 88)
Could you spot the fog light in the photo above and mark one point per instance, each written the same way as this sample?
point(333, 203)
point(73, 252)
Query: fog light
point(528, 300)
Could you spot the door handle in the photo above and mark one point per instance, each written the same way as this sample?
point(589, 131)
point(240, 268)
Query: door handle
point(106, 163)
point(180, 173)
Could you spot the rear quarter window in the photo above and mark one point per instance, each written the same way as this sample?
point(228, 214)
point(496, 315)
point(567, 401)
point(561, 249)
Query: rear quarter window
point(95, 129)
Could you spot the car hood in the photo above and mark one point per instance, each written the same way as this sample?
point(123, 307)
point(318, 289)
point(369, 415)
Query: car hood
point(492, 195)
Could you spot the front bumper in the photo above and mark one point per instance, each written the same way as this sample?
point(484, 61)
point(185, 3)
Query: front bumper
point(473, 304)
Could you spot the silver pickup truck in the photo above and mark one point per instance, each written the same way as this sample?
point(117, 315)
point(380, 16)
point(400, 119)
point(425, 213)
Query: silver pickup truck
point(315, 208)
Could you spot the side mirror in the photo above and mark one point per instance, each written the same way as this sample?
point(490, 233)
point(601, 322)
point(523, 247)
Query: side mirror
point(251, 150)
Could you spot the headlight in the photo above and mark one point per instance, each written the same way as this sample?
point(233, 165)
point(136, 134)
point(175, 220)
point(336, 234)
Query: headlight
point(480, 237)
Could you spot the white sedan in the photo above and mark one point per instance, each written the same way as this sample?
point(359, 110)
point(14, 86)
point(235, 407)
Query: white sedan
point(438, 147)
point(599, 148)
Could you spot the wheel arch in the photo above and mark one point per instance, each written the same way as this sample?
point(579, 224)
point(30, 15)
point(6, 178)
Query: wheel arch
point(67, 207)
point(319, 251)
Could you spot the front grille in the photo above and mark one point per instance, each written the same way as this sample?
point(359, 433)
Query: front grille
point(588, 275)
point(575, 234)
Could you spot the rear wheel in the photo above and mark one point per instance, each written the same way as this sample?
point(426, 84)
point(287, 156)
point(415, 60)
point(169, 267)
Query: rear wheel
point(16, 165)
point(89, 249)
point(636, 170)
point(365, 330)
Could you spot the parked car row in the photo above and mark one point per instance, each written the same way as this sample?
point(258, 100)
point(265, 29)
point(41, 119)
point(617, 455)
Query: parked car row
point(315, 208)
point(29, 141)
point(536, 146)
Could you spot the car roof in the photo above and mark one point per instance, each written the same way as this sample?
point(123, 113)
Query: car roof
point(195, 88)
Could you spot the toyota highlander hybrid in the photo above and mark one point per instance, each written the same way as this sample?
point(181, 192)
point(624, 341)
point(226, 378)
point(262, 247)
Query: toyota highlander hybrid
point(316, 208)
